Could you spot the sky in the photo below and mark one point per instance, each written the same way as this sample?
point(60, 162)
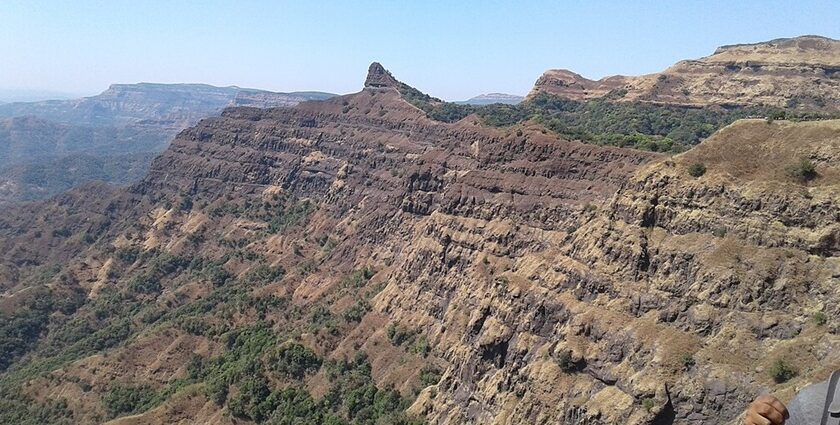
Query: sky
point(450, 49)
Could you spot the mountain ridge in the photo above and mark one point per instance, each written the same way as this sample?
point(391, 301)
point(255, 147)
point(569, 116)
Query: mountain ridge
point(776, 73)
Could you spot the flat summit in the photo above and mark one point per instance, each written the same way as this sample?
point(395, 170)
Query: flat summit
point(801, 72)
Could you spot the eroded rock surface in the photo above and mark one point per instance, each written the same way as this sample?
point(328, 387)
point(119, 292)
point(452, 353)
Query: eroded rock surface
point(797, 72)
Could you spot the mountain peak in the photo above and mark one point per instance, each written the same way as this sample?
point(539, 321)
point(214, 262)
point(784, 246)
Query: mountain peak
point(379, 77)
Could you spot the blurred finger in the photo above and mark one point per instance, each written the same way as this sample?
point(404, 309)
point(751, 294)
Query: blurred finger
point(753, 418)
point(780, 407)
point(768, 411)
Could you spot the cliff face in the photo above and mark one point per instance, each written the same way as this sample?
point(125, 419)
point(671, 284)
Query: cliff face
point(795, 72)
point(681, 290)
point(546, 280)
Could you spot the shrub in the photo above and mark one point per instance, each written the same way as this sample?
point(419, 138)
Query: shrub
point(124, 400)
point(781, 371)
point(566, 362)
point(696, 169)
point(127, 255)
point(284, 218)
point(253, 399)
point(399, 335)
point(144, 285)
point(421, 346)
point(355, 312)
point(820, 318)
point(687, 361)
point(648, 404)
point(358, 278)
point(429, 375)
point(263, 275)
point(804, 170)
point(295, 360)
point(775, 115)
point(216, 273)
point(186, 204)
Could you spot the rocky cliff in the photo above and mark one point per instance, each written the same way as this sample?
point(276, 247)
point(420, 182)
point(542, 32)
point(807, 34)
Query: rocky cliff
point(799, 72)
point(489, 275)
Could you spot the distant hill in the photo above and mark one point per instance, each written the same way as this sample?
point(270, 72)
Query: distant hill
point(491, 98)
point(800, 72)
point(127, 123)
point(124, 104)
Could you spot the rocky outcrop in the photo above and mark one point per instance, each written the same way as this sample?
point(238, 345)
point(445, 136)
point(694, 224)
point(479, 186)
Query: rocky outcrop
point(567, 84)
point(799, 72)
point(379, 77)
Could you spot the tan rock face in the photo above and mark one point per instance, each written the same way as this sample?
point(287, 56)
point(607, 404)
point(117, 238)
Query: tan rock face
point(799, 72)
point(379, 77)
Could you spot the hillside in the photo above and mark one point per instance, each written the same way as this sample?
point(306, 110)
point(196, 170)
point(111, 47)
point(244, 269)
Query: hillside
point(354, 261)
point(127, 122)
point(800, 73)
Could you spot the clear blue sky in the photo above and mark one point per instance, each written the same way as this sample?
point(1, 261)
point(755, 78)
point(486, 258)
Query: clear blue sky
point(450, 49)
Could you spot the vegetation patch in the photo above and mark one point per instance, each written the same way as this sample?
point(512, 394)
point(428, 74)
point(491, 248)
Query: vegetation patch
point(127, 400)
point(429, 375)
point(696, 169)
point(687, 361)
point(603, 121)
point(820, 318)
point(566, 361)
point(781, 371)
point(399, 335)
point(294, 360)
point(804, 170)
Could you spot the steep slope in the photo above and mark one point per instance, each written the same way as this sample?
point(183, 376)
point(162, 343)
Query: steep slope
point(799, 72)
point(490, 275)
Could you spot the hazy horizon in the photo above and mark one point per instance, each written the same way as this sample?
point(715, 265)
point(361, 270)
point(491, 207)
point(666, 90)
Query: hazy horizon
point(453, 51)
